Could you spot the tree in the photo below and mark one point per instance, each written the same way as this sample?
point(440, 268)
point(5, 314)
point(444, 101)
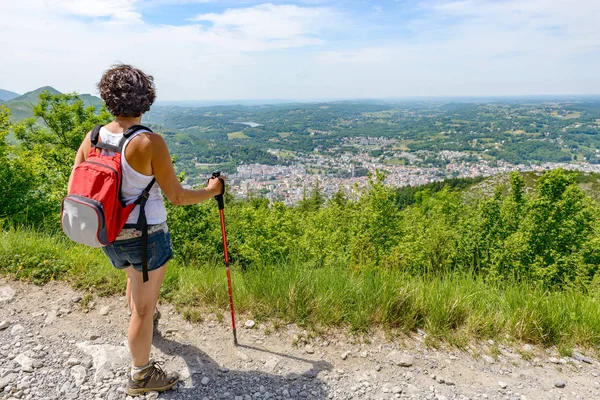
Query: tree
point(47, 145)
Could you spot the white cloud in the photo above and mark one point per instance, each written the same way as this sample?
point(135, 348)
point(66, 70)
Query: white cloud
point(284, 51)
point(117, 10)
point(288, 24)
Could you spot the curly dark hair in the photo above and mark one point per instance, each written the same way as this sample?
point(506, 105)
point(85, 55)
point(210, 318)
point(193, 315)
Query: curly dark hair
point(127, 91)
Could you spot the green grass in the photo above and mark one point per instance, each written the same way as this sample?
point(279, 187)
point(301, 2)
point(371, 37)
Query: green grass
point(454, 308)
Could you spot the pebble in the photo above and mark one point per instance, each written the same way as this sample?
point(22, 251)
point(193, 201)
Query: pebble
point(4, 325)
point(205, 380)
point(503, 385)
point(560, 384)
point(345, 355)
point(308, 349)
point(17, 329)
point(249, 324)
point(400, 359)
point(104, 310)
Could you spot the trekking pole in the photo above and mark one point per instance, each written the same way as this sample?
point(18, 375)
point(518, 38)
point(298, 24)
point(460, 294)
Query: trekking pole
point(221, 203)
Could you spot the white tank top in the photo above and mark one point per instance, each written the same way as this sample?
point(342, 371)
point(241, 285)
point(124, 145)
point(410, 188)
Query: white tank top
point(134, 183)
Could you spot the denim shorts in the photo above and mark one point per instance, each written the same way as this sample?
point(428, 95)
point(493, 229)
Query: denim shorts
point(125, 253)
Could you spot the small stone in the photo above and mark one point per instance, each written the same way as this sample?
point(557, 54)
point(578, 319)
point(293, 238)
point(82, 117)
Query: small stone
point(25, 362)
point(311, 374)
point(243, 356)
point(152, 395)
point(249, 324)
point(6, 294)
point(104, 310)
point(51, 317)
point(554, 360)
point(63, 311)
point(224, 370)
point(171, 331)
point(6, 380)
point(345, 355)
point(449, 382)
point(578, 356)
point(308, 349)
point(364, 354)
point(73, 361)
point(17, 329)
point(560, 384)
point(75, 299)
point(94, 336)
point(378, 368)
point(4, 325)
point(205, 380)
point(396, 390)
point(503, 385)
point(78, 373)
point(440, 379)
point(401, 360)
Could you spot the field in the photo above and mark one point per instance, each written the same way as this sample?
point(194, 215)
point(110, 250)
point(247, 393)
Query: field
point(237, 135)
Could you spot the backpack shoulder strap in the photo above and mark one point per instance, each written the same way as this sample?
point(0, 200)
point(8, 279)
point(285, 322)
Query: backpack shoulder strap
point(132, 131)
point(142, 225)
point(95, 143)
point(95, 135)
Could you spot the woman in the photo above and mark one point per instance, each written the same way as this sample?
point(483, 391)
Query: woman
point(128, 93)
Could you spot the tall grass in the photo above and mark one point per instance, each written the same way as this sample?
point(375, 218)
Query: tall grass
point(454, 307)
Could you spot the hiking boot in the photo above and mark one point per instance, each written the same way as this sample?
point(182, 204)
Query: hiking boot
point(151, 378)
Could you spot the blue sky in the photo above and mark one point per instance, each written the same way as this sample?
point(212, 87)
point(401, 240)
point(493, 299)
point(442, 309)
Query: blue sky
point(307, 50)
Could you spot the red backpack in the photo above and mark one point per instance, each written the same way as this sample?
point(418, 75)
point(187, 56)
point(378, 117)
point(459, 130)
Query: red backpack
point(93, 213)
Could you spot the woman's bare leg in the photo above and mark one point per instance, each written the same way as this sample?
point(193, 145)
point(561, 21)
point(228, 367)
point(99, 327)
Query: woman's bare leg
point(143, 298)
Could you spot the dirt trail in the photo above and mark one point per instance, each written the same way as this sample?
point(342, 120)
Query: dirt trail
point(51, 349)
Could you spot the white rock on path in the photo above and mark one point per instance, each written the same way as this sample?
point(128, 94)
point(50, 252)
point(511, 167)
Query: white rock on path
point(7, 294)
point(78, 373)
point(249, 324)
point(401, 360)
point(51, 317)
point(104, 310)
point(17, 330)
point(4, 325)
point(25, 362)
point(105, 357)
point(6, 380)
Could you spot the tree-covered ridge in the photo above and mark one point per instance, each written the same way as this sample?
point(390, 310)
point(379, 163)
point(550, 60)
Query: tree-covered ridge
point(22, 107)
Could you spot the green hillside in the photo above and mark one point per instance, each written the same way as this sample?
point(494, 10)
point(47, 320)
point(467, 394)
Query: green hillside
point(6, 95)
point(21, 107)
point(32, 97)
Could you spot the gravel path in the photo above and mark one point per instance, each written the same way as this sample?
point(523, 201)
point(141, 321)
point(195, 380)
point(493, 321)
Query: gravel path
point(50, 348)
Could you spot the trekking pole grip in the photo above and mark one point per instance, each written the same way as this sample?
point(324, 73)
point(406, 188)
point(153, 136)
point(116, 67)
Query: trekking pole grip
point(219, 197)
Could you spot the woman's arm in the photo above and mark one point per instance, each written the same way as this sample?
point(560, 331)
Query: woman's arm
point(166, 177)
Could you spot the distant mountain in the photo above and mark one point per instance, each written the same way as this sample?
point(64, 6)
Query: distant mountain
point(32, 97)
point(21, 107)
point(6, 95)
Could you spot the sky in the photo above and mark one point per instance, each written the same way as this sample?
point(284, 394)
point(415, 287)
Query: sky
point(306, 49)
